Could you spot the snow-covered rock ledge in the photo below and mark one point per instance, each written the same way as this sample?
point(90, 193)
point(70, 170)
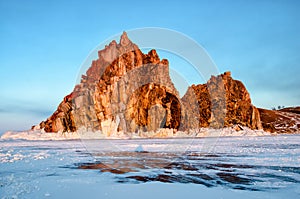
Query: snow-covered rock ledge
point(160, 133)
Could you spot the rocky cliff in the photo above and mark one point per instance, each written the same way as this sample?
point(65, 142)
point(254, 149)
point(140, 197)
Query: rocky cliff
point(125, 90)
point(222, 102)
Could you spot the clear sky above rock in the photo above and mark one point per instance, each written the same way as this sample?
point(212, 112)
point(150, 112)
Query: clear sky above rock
point(43, 44)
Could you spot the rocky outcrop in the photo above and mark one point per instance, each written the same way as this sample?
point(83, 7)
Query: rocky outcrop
point(62, 119)
point(285, 120)
point(125, 90)
point(222, 102)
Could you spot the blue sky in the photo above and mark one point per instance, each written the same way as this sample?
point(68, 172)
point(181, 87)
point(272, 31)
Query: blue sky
point(43, 44)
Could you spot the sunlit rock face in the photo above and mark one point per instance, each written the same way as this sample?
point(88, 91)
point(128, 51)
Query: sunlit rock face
point(223, 102)
point(125, 90)
point(62, 119)
point(121, 91)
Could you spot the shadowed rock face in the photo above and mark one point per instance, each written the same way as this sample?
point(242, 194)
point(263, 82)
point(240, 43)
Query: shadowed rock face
point(127, 90)
point(153, 106)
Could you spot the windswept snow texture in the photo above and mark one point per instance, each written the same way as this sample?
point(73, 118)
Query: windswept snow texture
point(225, 167)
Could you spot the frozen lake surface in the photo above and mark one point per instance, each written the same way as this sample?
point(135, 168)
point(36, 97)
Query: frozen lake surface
point(225, 167)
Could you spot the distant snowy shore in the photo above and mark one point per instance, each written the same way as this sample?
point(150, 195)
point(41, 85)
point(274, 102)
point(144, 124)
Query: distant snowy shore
point(161, 133)
point(38, 135)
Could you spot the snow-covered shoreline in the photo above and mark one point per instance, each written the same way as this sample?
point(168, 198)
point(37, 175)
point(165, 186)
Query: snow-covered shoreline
point(38, 135)
point(161, 133)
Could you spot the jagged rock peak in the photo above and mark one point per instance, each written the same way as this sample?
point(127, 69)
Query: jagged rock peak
point(124, 40)
point(227, 74)
point(107, 88)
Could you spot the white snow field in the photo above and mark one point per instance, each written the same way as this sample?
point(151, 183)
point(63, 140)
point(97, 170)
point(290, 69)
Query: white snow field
point(63, 166)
